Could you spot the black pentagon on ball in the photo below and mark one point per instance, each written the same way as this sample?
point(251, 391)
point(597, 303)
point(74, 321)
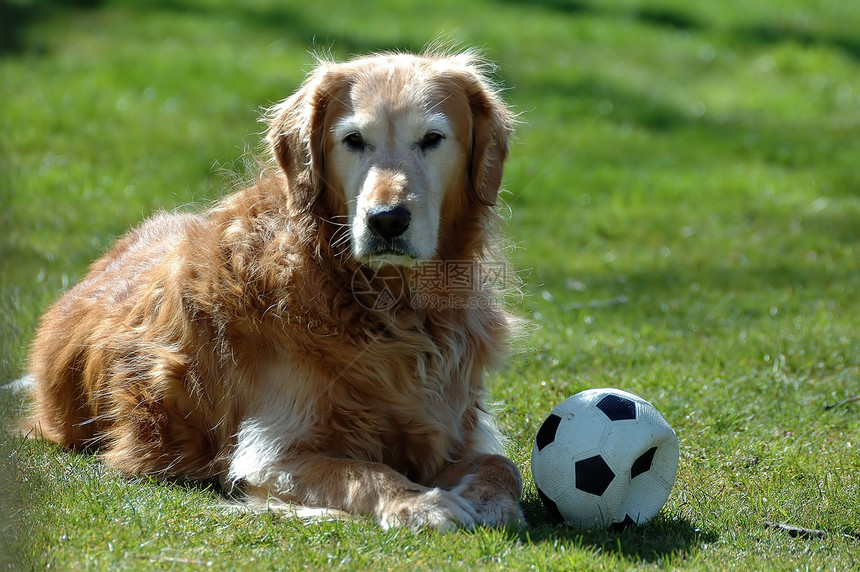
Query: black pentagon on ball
point(624, 524)
point(643, 463)
point(550, 505)
point(546, 433)
point(617, 408)
point(593, 475)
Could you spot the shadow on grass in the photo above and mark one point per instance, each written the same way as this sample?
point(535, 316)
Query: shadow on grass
point(126, 499)
point(661, 538)
point(761, 33)
point(657, 16)
point(737, 137)
point(779, 33)
point(645, 110)
point(279, 18)
point(16, 18)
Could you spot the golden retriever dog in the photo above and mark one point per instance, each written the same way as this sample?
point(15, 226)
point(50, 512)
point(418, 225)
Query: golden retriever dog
point(320, 337)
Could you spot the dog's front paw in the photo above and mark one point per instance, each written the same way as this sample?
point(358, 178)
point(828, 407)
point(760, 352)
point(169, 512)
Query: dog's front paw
point(492, 508)
point(495, 495)
point(433, 508)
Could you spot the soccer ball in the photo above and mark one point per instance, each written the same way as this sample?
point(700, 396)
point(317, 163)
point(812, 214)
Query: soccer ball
point(604, 457)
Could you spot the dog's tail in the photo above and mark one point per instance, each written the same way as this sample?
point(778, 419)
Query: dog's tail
point(19, 391)
point(25, 384)
point(290, 510)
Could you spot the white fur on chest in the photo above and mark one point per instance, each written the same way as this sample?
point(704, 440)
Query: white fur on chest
point(283, 415)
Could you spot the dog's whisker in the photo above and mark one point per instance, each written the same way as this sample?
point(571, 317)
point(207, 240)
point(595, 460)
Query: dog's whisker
point(341, 240)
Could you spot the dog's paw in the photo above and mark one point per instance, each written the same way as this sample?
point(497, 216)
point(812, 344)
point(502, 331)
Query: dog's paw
point(434, 508)
point(493, 506)
point(499, 512)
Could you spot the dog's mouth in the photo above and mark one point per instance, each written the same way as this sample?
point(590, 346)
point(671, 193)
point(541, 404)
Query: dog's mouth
point(396, 251)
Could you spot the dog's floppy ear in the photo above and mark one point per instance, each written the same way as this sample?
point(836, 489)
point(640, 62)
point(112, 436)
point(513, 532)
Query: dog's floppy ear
point(296, 135)
point(492, 126)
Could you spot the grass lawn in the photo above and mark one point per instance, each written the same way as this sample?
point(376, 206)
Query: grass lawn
point(684, 198)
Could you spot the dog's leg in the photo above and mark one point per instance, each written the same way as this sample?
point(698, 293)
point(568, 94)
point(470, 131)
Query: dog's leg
point(491, 483)
point(366, 488)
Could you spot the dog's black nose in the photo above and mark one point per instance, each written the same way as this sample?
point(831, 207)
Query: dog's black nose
point(389, 222)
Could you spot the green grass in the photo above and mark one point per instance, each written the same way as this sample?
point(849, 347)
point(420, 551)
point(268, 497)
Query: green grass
point(685, 201)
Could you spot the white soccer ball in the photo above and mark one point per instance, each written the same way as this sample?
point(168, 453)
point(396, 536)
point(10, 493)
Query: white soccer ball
point(605, 457)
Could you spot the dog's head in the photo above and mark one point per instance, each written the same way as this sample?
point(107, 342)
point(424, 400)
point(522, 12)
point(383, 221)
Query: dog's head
point(389, 146)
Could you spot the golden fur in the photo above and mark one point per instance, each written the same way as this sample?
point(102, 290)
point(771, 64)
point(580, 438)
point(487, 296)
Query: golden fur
point(231, 345)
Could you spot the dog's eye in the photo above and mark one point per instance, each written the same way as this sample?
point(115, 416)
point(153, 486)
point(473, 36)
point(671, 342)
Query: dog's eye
point(431, 140)
point(354, 141)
